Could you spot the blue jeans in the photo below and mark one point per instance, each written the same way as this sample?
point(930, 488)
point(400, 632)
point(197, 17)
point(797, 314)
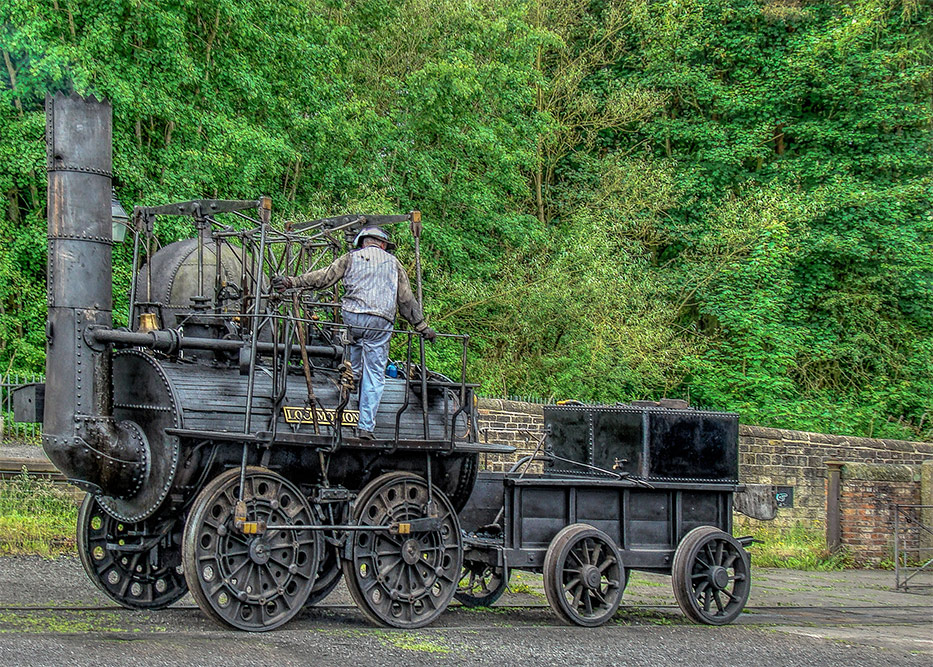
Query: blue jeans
point(369, 353)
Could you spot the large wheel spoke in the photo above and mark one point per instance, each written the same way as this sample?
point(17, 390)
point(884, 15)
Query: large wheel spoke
point(606, 564)
point(385, 571)
point(577, 595)
point(599, 597)
point(597, 550)
point(588, 603)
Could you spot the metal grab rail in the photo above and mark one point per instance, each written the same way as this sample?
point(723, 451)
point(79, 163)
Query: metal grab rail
point(264, 251)
point(913, 542)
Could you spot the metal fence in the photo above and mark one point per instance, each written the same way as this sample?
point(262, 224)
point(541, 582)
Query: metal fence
point(11, 431)
point(913, 546)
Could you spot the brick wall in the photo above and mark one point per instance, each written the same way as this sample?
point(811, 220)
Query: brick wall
point(867, 495)
point(877, 473)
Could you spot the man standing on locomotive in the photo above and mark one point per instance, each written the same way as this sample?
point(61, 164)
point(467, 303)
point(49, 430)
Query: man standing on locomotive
point(375, 286)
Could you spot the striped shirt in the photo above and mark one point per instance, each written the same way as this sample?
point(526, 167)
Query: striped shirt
point(375, 283)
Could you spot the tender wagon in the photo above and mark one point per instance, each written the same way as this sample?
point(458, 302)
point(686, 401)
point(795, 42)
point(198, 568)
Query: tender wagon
point(636, 487)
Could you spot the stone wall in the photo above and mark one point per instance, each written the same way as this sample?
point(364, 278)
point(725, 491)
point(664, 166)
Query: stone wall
point(797, 459)
point(877, 473)
point(511, 423)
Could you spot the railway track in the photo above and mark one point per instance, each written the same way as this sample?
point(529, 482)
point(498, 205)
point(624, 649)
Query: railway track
point(13, 467)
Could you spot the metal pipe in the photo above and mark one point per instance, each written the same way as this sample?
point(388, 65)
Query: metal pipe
point(135, 278)
point(200, 228)
point(172, 340)
point(218, 274)
point(243, 275)
point(398, 415)
point(897, 553)
point(833, 509)
point(424, 389)
point(254, 340)
point(80, 435)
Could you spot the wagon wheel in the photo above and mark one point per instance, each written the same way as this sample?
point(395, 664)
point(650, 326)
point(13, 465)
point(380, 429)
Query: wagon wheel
point(403, 581)
point(466, 480)
point(137, 565)
point(328, 576)
point(583, 575)
point(481, 584)
point(711, 576)
point(251, 582)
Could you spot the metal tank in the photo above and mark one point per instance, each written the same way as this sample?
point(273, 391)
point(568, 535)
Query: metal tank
point(215, 435)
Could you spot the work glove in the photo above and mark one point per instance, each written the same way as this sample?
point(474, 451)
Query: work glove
point(429, 334)
point(282, 283)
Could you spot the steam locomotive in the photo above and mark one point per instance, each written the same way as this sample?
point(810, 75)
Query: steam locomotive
point(214, 436)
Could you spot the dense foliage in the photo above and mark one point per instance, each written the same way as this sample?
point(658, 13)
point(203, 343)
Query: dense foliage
point(726, 200)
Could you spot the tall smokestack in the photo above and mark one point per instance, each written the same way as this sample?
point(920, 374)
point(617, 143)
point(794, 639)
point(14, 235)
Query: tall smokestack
point(80, 435)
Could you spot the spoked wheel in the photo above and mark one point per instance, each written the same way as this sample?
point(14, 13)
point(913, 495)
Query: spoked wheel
point(481, 584)
point(403, 580)
point(711, 576)
point(137, 565)
point(583, 575)
point(251, 582)
point(328, 576)
point(329, 570)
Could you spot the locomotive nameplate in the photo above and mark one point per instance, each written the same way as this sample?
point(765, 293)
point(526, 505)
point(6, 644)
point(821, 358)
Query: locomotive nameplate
point(295, 415)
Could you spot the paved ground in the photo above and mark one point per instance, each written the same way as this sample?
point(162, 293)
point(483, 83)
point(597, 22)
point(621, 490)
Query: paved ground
point(51, 614)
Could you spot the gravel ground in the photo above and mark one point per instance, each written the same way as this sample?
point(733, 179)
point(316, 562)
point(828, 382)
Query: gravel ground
point(51, 614)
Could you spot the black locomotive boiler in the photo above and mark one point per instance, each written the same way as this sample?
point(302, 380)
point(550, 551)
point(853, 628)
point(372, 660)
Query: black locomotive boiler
point(214, 436)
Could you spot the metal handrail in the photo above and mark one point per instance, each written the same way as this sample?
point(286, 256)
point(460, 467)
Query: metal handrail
point(906, 519)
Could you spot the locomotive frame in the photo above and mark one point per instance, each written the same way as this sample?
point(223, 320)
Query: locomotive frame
point(216, 450)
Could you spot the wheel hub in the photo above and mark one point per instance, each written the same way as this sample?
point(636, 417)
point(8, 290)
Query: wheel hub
point(411, 551)
point(259, 551)
point(591, 576)
point(719, 577)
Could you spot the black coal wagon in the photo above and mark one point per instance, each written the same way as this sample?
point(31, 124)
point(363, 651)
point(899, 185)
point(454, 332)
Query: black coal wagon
point(644, 487)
